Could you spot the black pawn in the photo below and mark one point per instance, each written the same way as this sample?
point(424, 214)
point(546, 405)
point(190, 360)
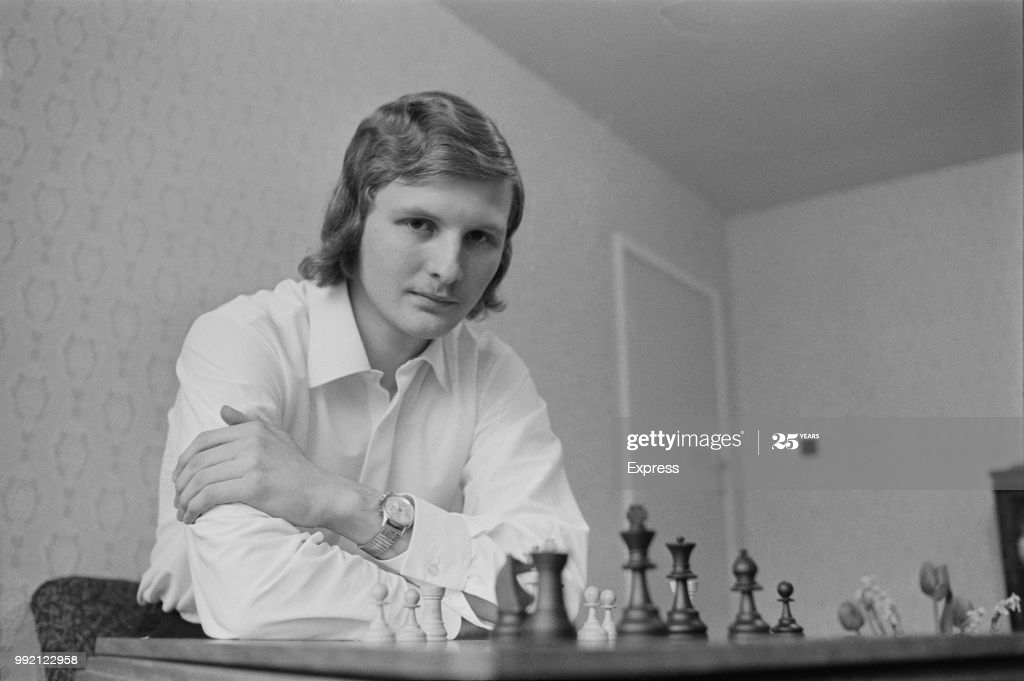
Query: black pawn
point(549, 621)
point(787, 626)
point(748, 624)
point(683, 619)
point(640, 617)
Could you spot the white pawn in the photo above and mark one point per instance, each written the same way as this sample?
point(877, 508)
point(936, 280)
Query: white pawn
point(432, 624)
point(379, 631)
point(608, 605)
point(591, 631)
point(410, 631)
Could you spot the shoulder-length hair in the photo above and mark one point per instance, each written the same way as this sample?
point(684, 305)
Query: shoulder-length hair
point(413, 139)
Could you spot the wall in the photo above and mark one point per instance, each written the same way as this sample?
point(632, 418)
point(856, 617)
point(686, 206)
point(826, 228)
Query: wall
point(158, 158)
point(894, 300)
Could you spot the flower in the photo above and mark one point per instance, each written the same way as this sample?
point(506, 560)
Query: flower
point(1007, 605)
point(850, 616)
point(960, 612)
point(934, 581)
point(974, 618)
point(878, 607)
point(1003, 609)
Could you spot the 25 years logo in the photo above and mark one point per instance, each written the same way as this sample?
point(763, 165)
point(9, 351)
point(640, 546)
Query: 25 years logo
point(791, 440)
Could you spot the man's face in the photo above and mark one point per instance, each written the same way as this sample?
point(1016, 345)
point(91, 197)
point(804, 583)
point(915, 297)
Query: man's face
point(428, 252)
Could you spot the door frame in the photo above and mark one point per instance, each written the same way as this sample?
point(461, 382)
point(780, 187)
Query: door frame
point(623, 248)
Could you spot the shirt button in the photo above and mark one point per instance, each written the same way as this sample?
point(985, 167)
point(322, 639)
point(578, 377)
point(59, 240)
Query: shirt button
point(432, 569)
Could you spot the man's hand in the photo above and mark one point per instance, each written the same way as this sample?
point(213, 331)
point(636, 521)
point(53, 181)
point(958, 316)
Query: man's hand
point(250, 462)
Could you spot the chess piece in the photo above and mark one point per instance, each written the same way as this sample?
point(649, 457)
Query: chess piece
point(512, 599)
point(410, 632)
point(591, 632)
point(640, 615)
point(748, 624)
point(787, 626)
point(683, 619)
point(608, 605)
point(431, 622)
point(549, 621)
point(379, 631)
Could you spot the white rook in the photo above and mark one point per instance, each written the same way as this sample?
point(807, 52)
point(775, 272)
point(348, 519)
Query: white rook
point(431, 622)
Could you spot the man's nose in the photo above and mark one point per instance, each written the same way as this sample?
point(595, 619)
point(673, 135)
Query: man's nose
point(445, 257)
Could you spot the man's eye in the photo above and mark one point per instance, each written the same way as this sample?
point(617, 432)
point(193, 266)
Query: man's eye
point(481, 238)
point(418, 225)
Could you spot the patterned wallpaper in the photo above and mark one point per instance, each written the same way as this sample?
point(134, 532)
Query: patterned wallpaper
point(139, 185)
point(159, 156)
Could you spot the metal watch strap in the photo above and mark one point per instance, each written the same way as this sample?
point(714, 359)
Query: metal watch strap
point(386, 536)
point(382, 541)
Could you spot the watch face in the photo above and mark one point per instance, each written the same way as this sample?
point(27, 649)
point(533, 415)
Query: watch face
point(399, 510)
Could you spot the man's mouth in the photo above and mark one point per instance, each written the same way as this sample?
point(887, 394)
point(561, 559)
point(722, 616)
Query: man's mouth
point(437, 298)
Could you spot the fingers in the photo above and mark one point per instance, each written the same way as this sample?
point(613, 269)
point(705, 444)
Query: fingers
point(208, 439)
point(233, 417)
point(202, 461)
point(214, 438)
point(223, 492)
point(191, 498)
point(236, 464)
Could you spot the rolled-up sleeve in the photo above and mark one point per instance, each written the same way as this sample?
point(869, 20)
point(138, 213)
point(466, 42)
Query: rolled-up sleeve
point(516, 497)
point(255, 576)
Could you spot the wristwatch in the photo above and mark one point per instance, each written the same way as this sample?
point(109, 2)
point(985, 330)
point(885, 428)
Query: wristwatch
point(397, 515)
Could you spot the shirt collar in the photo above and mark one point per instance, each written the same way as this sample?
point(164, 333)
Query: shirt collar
point(438, 355)
point(336, 349)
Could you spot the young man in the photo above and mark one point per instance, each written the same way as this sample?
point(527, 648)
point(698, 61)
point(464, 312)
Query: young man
point(350, 429)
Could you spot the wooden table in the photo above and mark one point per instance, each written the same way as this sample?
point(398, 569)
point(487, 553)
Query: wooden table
point(977, 658)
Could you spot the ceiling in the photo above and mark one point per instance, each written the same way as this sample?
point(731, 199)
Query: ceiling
point(753, 103)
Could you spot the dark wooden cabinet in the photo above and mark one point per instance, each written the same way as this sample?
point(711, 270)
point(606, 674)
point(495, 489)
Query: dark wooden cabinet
point(1008, 486)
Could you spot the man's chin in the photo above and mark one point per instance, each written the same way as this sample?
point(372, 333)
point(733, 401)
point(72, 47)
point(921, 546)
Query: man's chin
point(432, 326)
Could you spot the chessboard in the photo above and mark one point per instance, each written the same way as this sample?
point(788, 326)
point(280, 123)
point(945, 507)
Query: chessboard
point(930, 658)
point(534, 638)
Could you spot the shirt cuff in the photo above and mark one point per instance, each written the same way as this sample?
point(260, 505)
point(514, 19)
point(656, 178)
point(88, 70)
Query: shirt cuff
point(439, 548)
point(439, 553)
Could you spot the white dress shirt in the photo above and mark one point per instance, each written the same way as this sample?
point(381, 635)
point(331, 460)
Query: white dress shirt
point(466, 435)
